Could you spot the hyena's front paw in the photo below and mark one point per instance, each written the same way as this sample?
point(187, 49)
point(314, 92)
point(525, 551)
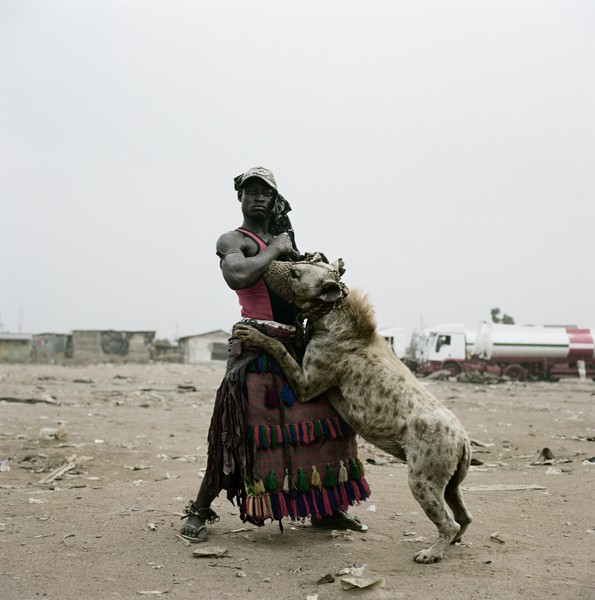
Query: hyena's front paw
point(428, 556)
point(248, 335)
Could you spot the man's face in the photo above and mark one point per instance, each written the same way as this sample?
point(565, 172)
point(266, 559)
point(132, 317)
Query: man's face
point(258, 198)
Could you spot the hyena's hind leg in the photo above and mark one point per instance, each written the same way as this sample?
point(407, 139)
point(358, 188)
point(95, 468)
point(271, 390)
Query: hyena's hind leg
point(430, 496)
point(454, 499)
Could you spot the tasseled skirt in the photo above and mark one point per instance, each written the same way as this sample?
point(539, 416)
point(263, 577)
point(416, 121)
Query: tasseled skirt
point(275, 456)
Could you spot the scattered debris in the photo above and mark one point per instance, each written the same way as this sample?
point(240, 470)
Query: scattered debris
point(589, 461)
point(419, 538)
point(70, 464)
point(45, 400)
point(475, 462)
point(481, 444)
point(61, 434)
point(503, 487)
point(4, 466)
point(356, 569)
point(152, 592)
point(138, 467)
point(152, 526)
point(496, 537)
point(553, 471)
point(328, 578)
point(210, 552)
point(187, 388)
point(350, 582)
point(479, 377)
point(240, 574)
point(544, 457)
point(438, 376)
point(346, 534)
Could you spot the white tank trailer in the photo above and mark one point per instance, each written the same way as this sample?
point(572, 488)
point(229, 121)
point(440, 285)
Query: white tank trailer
point(516, 351)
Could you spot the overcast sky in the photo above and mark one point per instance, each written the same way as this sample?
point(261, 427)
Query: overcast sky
point(444, 150)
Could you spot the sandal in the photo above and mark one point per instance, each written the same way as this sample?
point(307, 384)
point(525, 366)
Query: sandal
point(340, 520)
point(204, 515)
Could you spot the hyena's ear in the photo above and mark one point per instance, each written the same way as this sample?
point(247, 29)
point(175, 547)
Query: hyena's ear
point(340, 266)
point(331, 292)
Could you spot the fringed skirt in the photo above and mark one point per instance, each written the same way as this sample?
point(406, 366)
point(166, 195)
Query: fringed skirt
point(275, 456)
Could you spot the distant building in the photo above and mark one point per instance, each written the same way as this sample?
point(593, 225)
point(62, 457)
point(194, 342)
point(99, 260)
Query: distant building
point(204, 347)
point(112, 346)
point(165, 351)
point(15, 347)
point(51, 347)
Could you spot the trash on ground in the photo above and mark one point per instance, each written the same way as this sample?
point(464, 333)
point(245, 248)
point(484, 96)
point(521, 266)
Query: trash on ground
point(210, 552)
point(351, 581)
point(503, 487)
point(496, 537)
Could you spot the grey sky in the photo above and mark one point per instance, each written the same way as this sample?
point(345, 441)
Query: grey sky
point(445, 150)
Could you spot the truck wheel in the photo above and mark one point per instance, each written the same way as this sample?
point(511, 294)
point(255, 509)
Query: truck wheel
point(453, 367)
point(515, 372)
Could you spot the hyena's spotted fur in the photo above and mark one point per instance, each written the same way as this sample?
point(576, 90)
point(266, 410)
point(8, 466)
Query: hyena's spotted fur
point(375, 393)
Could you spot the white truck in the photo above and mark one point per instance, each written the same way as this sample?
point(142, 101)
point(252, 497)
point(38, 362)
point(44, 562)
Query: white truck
point(516, 351)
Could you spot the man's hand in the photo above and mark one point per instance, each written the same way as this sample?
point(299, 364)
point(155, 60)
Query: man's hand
point(282, 243)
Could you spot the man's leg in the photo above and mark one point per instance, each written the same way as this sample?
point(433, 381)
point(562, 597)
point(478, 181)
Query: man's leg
point(199, 513)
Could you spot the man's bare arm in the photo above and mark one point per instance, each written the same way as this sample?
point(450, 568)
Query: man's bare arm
point(241, 271)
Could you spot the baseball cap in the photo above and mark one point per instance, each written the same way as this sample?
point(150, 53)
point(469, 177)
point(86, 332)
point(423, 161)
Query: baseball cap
point(261, 173)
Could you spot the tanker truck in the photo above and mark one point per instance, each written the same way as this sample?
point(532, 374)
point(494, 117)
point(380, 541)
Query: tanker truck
point(516, 351)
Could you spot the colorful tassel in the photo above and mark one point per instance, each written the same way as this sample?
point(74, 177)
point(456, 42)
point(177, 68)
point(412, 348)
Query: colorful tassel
point(360, 466)
point(356, 491)
point(315, 478)
point(273, 433)
point(283, 511)
point(330, 480)
point(314, 509)
point(262, 437)
point(293, 433)
point(336, 499)
point(343, 427)
point(343, 476)
point(301, 506)
point(344, 499)
point(328, 510)
point(353, 469)
point(292, 507)
point(332, 429)
point(317, 430)
point(271, 484)
point(286, 487)
point(259, 487)
point(364, 487)
point(287, 395)
point(302, 481)
point(268, 509)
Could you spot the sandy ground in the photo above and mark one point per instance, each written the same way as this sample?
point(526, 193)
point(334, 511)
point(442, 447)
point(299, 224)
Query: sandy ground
point(135, 440)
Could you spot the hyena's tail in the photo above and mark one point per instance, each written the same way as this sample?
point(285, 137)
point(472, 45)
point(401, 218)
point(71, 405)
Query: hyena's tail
point(453, 495)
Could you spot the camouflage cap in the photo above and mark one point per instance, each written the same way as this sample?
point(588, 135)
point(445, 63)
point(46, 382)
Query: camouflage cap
point(259, 172)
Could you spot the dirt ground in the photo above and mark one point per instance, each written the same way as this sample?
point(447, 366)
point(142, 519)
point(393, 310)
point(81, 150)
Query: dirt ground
point(131, 439)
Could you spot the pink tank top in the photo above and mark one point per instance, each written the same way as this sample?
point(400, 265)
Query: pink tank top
point(255, 301)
